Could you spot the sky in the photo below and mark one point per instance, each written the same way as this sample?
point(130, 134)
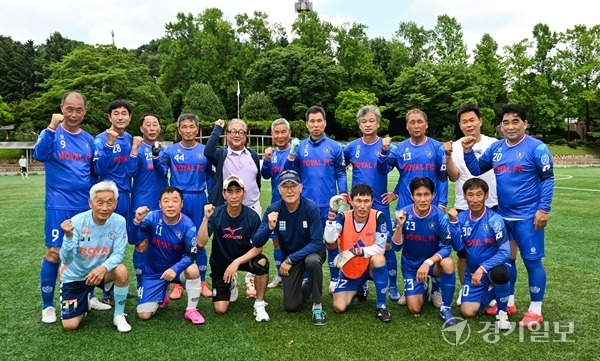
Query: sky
point(136, 22)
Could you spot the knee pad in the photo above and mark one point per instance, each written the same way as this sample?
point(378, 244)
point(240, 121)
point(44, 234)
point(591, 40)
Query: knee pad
point(499, 275)
point(259, 269)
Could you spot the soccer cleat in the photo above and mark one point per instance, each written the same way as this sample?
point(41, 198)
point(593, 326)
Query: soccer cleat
point(49, 315)
point(233, 289)
point(402, 300)
point(166, 300)
point(447, 316)
point(260, 313)
point(394, 294)
point(194, 316)
point(206, 292)
point(531, 319)
point(493, 310)
point(275, 283)
point(177, 291)
point(121, 322)
point(109, 299)
point(95, 304)
point(383, 314)
point(502, 321)
point(318, 317)
point(436, 299)
point(250, 289)
point(362, 292)
point(332, 285)
point(459, 299)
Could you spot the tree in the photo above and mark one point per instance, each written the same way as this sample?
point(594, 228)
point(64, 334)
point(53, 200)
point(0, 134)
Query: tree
point(201, 100)
point(489, 73)
point(448, 41)
point(6, 116)
point(17, 68)
point(417, 42)
point(312, 33)
point(258, 106)
point(350, 103)
point(148, 54)
point(52, 51)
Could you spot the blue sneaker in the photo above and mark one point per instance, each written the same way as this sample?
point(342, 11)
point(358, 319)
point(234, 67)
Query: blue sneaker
point(447, 316)
point(318, 318)
point(362, 292)
point(394, 294)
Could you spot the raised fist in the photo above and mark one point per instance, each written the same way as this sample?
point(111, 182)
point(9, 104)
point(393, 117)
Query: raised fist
point(137, 140)
point(209, 209)
point(448, 147)
point(140, 213)
point(273, 217)
point(268, 154)
point(295, 146)
point(386, 142)
point(155, 148)
point(220, 123)
point(468, 142)
point(400, 217)
point(67, 227)
point(56, 120)
point(111, 136)
point(453, 215)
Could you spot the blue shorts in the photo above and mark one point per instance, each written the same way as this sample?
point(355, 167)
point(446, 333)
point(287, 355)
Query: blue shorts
point(472, 293)
point(124, 205)
point(193, 206)
point(412, 287)
point(153, 289)
point(53, 234)
point(345, 284)
point(74, 298)
point(529, 240)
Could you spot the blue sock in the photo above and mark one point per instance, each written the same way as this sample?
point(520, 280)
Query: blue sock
point(381, 281)
point(139, 260)
point(447, 283)
point(513, 275)
point(201, 261)
point(120, 298)
point(435, 284)
point(48, 275)
point(392, 267)
point(278, 257)
point(502, 292)
point(487, 297)
point(537, 279)
point(334, 272)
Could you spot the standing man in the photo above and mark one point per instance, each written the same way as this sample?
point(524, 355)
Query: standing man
point(417, 156)
point(469, 121)
point(190, 172)
point(146, 184)
point(296, 222)
point(361, 234)
point(92, 253)
point(170, 255)
point(235, 159)
point(362, 155)
point(233, 224)
point(66, 151)
point(23, 166)
point(272, 166)
point(523, 165)
point(320, 163)
point(422, 230)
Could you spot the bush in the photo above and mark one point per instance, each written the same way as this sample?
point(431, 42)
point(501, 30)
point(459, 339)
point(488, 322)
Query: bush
point(558, 141)
point(398, 138)
point(572, 145)
point(551, 138)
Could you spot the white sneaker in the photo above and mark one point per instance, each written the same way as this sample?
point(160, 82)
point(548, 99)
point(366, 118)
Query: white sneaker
point(95, 304)
point(502, 321)
point(260, 312)
point(436, 299)
point(275, 283)
point(49, 315)
point(459, 298)
point(233, 289)
point(121, 322)
point(402, 300)
point(332, 286)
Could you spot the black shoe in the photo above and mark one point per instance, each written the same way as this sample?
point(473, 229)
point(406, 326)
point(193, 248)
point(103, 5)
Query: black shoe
point(318, 318)
point(383, 314)
point(363, 292)
point(109, 300)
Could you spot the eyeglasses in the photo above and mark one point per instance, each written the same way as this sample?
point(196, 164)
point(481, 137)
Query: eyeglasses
point(237, 132)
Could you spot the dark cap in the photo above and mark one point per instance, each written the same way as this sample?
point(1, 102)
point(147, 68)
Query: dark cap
point(289, 176)
point(233, 179)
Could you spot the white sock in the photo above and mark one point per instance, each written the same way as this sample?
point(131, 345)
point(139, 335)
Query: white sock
point(536, 307)
point(259, 303)
point(511, 300)
point(193, 291)
point(317, 307)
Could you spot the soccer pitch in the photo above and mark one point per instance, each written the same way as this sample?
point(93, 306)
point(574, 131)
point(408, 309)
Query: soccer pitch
point(570, 332)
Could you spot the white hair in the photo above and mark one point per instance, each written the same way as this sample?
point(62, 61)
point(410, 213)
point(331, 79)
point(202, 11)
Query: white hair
point(103, 186)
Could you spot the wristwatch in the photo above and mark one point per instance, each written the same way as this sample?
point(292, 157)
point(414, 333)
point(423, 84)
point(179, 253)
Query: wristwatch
point(288, 261)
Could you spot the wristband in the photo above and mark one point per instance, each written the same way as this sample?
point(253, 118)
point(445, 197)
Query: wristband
point(429, 262)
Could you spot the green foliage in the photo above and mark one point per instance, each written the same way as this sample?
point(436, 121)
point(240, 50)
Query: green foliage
point(258, 106)
point(448, 133)
point(349, 103)
point(18, 70)
point(6, 116)
point(201, 100)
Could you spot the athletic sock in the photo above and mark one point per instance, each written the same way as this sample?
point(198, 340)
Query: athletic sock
point(381, 281)
point(513, 280)
point(278, 258)
point(392, 267)
point(193, 290)
point(334, 272)
point(536, 307)
point(502, 297)
point(139, 260)
point(201, 261)
point(447, 283)
point(120, 294)
point(48, 275)
point(536, 275)
point(435, 284)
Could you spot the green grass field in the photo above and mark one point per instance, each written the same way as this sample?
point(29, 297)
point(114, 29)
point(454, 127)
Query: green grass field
point(572, 264)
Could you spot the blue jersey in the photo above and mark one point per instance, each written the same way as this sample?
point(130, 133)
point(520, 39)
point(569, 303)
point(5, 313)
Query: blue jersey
point(232, 236)
point(169, 245)
point(484, 239)
point(190, 169)
point(146, 184)
point(93, 245)
point(299, 233)
point(424, 160)
point(423, 237)
point(67, 159)
point(321, 166)
point(113, 162)
point(363, 158)
point(524, 175)
point(272, 169)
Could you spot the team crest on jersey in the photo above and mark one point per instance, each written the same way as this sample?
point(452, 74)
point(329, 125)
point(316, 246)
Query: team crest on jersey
point(497, 227)
point(85, 232)
point(520, 154)
point(467, 223)
point(199, 155)
point(178, 234)
point(533, 250)
point(384, 228)
point(429, 153)
point(410, 217)
point(486, 227)
point(62, 137)
point(282, 226)
point(545, 159)
point(432, 225)
point(112, 235)
point(326, 150)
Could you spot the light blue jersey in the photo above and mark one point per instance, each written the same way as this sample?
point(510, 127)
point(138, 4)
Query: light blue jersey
point(93, 245)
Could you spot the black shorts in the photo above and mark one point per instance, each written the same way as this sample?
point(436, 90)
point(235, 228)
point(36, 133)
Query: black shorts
point(221, 289)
